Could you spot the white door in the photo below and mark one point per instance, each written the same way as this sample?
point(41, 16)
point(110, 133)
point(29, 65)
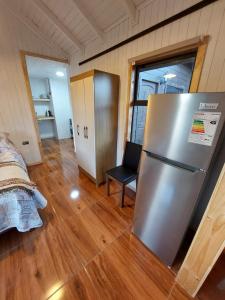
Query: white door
point(77, 92)
point(90, 125)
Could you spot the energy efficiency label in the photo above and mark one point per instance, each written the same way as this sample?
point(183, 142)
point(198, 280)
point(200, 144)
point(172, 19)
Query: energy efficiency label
point(203, 128)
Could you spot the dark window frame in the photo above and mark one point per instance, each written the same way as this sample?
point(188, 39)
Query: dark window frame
point(175, 87)
point(152, 65)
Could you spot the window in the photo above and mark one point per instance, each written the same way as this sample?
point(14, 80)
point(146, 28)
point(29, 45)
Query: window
point(171, 76)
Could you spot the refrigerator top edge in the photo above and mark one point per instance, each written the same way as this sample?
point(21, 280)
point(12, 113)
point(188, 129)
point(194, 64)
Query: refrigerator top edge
point(185, 127)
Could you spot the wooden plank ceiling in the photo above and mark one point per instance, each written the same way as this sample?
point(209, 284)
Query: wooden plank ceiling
point(72, 24)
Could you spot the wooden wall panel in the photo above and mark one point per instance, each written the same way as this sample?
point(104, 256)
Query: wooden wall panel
point(209, 20)
point(208, 243)
point(214, 24)
point(15, 113)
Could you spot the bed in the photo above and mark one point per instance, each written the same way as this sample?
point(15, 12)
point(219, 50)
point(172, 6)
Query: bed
point(19, 197)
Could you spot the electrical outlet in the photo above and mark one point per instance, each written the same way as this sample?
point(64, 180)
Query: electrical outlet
point(25, 143)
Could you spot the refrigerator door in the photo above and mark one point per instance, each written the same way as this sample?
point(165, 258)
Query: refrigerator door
point(174, 129)
point(166, 197)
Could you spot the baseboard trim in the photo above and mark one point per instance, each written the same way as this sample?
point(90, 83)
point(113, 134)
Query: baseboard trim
point(87, 174)
point(35, 164)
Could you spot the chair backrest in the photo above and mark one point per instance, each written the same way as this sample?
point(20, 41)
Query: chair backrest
point(132, 156)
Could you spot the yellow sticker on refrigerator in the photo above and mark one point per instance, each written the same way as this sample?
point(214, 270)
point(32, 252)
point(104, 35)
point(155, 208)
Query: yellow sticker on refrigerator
point(203, 128)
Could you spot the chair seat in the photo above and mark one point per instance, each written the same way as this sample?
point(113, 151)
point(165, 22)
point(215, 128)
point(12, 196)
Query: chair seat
point(122, 174)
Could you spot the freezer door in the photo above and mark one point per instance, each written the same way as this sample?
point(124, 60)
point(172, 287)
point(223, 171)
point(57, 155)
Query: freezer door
point(170, 121)
point(166, 198)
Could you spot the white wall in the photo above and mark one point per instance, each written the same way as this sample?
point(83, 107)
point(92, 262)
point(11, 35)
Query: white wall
point(62, 106)
point(59, 105)
point(15, 113)
point(209, 20)
point(47, 129)
point(39, 86)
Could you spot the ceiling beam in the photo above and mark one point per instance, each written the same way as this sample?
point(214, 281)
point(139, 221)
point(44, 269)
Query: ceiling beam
point(33, 28)
point(88, 18)
point(131, 10)
point(54, 19)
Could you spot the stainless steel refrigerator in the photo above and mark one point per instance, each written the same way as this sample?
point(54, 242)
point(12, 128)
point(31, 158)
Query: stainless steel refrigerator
point(183, 136)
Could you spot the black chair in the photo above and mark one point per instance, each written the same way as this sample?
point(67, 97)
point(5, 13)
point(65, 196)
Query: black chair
point(128, 171)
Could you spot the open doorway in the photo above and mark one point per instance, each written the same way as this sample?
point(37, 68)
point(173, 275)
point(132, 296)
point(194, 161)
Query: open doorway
point(49, 86)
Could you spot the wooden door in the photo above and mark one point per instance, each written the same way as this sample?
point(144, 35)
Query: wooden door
point(77, 92)
point(90, 125)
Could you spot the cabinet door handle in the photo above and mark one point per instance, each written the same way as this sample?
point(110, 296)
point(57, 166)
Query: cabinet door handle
point(84, 132)
point(87, 132)
point(78, 130)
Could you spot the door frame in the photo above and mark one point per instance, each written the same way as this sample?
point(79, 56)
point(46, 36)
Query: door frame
point(23, 55)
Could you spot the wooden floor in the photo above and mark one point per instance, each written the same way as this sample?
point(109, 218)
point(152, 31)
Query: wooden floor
point(85, 250)
point(214, 286)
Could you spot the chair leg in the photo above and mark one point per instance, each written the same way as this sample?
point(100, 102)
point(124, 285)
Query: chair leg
point(122, 196)
point(107, 185)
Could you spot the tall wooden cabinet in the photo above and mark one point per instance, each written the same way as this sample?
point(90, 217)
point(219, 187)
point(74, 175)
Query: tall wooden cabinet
point(95, 109)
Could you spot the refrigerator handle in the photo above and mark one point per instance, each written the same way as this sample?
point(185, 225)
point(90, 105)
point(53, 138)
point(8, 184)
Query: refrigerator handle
point(174, 163)
point(200, 170)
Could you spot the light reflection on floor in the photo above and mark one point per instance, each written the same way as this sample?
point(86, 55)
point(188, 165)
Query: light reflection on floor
point(74, 194)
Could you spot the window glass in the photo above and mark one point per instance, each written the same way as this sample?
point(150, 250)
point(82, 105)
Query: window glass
point(171, 76)
point(138, 124)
